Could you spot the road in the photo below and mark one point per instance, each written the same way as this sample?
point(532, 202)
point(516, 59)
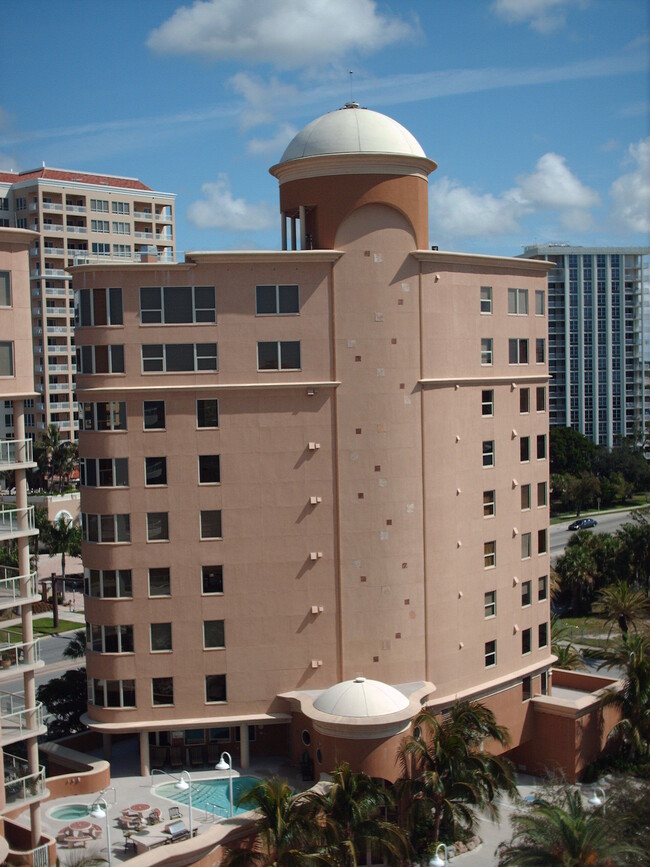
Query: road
point(56, 664)
point(607, 523)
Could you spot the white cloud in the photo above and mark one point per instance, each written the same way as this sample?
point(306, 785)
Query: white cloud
point(630, 194)
point(281, 32)
point(545, 16)
point(457, 211)
point(274, 145)
point(553, 185)
point(220, 210)
point(262, 99)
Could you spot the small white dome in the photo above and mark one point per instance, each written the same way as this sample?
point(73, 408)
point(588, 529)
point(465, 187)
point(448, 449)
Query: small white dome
point(361, 698)
point(352, 130)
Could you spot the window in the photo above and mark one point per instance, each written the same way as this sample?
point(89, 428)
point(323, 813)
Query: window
point(6, 358)
point(211, 524)
point(99, 205)
point(526, 594)
point(525, 546)
point(157, 526)
point(212, 579)
point(541, 542)
point(525, 641)
point(215, 687)
point(490, 603)
point(103, 416)
point(220, 734)
point(488, 453)
point(487, 401)
point(108, 583)
point(98, 307)
point(540, 398)
point(518, 302)
point(5, 289)
point(524, 400)
point(517, 351)
point(177, 305)
point(486, 350)
point(161, 636)
point(486, 299)
point(160, 581)
point(209, 471)
point(489, 555)
point(524, 449)
point(104, 472)
point(214, 634)
point(542, 588)
point(121, 228)
point(525, 497)
point(121, 207)
point(541, 447)
point(178, 357)
point(526, 688)
point(276, 299)
point(541, 493)
point(490, 654)
point(101, 226)
point(21, 203)
point(111, 693)
point(122, 251)
point(162, 690)
point(100, 249)
point(207, 413)
point(106, 528)
point(489, 504)
point(154, 414)
point(100, 359)
point(540, 350)
point(543, 683)
point(109, 639)
point(155, 471)
point(539, 302)
point(278, 355)
point(542, 635)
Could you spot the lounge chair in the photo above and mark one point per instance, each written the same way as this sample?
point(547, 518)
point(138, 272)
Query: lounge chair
point(196, 757)
point(174, 813)
point(158, 757)
point(154, 816)
point(176, 757)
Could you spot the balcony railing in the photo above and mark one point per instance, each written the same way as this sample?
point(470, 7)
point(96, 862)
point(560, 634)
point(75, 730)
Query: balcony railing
point(10, 585)
point(56, 292)
point(53, 272)
point(19, 654)
point(58, 386)
point(56, 407)
point(15, 521)
point(50, 227)
point(162, 256)
point(76, 209)
point(54, 251)
point(56, 329)
point(52, 206)
point(145, 235)
point(20, 785)
point(17, 719)
point(79, 230)
point(58, 368)
point(15, 452)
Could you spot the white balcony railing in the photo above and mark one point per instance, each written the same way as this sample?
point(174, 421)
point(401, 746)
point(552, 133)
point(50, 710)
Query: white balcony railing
point(52, 206)
point(56, 292)
point(56, 311)
point(75, 209)
point(10, 585)
point(19, 654)
point(57, 252)
point(48, 228)
point(15, 452)
point(17, 719)
point(37, 331)
point(142, 215)
point(20, 785)
point(33, 206)
point(56, 329)
point(54, 407)
point(58, 368)
point(145, 235)
point(58, 386)
point(54, 272)
point(78, 230)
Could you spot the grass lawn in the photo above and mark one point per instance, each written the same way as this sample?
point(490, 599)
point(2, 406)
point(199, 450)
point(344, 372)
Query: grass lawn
point(42, 626)
point(584, 627)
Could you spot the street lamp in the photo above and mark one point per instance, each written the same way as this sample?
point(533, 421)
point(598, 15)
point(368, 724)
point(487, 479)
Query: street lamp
point(598, 801)
point(437, 861)
point(186, 786)
point(99, 810)
point(223, 766)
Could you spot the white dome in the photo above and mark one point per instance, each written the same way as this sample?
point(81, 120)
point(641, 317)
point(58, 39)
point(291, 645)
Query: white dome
point(361, 698)
point(352, 130)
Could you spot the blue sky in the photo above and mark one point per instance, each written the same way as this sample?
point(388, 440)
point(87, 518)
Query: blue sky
point(536, 111)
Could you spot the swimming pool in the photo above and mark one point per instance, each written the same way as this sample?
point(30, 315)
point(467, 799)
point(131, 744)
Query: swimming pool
point(210, 795)
point(69, 812)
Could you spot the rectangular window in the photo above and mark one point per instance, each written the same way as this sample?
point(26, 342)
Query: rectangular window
point(541, 493)
point(154, 414)
point(518, 351)
point(6, 358)
point(178, 357)
point(106, 528)
point(103, 416)
point(541, 542)
point(489, 555)
point(99, 205)
point(162, 690)
point(104, 472)
point(161, 636)
point(526, 688)
point(489, 504)
point(487, 401)
point(209, 471)
point(486, 350)
point(540, 350)
point(101, 226)
point(488, 453)
point(177, 305)
point(121, 228)
point(100, 249)
point(276, 299)
point(525, 497)
point(122, 251)
point(160, 581)
point(542, 588)
point(490, 603)
point(100, 359)
point(5, 289)
point(108, 583)
point(212, 579)
point(155, 471)
point(518, 302)
point(207, 413)
point(539, 302)
point(541, 447)
point(524, 400)
point(524, 449)
point(278, 355)
point(525, 641)
point(542, 635)
point(540, 392)
point(214, 633)
point(121, 207)
point(490, 654)
point(157, 526)
point(215, 688)
point(525, 546)
point(211, 524)
point(486, 299)
point(109, 639)
point(526, 594)
point(111, 693)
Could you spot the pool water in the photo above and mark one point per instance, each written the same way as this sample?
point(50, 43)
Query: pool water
point(210, 795)
point(70, 812)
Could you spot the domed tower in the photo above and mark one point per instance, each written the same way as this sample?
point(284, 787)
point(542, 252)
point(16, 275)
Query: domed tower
point(343, 160)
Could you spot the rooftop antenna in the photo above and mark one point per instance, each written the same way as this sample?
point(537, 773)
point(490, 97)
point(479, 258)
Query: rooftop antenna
point(352, 103)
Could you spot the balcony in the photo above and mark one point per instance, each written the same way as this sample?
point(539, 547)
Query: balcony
point(58, 386)
point(148, 236)
point(56, 311)
point(163, 217)
point(166, 238)
point(55, 407)
point(19, 656)
point(15, 453)
point(17, 522)
point(37, 331)
point(20, 785)
point(56, 292)
point(52, 206)
point(18, 721)
point(58, 349)
point(78, 230)
point(56, 329)
point(33, 206)
point(48, 228)
point(57, 252)
point(58, 368)
point(54, 272)
point(75, 209)
point(143, 215)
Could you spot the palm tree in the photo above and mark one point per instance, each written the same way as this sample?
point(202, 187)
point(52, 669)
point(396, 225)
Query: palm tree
point(62, 537)
point(621, 604)
point(350, 813)
point(577, 568)
point(636, 541)
point(44, 451)
point(562, 834)
point(284, 832)
point(447, 775)
point(76, 646)
point(568, 655)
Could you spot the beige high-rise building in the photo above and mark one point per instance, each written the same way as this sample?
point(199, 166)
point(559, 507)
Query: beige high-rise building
point(76, 215)
point(315, 497)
